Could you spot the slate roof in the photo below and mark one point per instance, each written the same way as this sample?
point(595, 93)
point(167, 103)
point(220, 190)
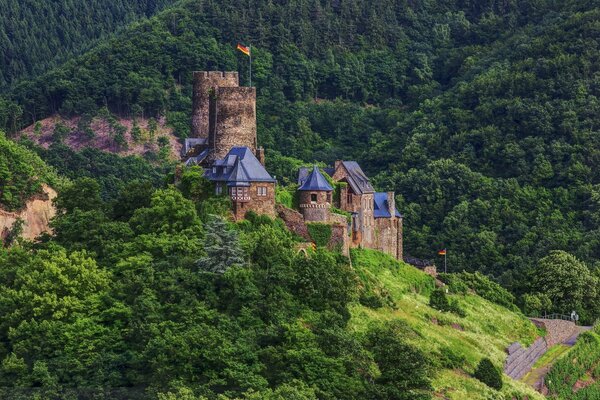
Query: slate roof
point(303, 173)
point(357, 179)
point(316, 181)
point(381, 207)
point(239, 167)
point(197, 159)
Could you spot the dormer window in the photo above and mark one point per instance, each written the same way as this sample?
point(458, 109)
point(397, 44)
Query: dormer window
point(214, 170)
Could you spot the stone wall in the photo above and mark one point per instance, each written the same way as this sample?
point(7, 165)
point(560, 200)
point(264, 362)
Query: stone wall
point(386, 235)
point(318, 211)
point(205, 84)
point(234, 121)
point(520, 360)
point(294, 221)
point(557, 330)
point(259, 204)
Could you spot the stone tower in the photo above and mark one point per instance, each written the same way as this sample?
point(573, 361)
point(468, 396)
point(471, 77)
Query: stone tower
point(223, 113)
point(315, 197)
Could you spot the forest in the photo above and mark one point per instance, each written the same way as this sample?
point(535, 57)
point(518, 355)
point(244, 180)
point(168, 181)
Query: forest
point(36, 35)
point(485, 125)
point(482, 116)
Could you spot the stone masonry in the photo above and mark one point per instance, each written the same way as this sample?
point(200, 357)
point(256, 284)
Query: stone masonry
point(250, 200)
point(557, 330)
point(520, 360)
point(223, 113)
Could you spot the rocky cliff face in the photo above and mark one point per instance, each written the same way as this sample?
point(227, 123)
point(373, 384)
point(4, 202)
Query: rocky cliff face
point(36, 215)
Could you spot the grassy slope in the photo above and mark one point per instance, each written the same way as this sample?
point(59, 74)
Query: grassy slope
point(488, 328)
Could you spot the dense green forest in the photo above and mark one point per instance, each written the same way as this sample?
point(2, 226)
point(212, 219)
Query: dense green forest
point(482, 116)
point(35, 35)
point(154, 294)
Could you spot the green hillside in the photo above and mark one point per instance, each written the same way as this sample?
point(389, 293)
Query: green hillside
point(22, 174)
point(457, 344)
point(154, 295)
point(575, 376)
point(482, 116)
point(36, 35)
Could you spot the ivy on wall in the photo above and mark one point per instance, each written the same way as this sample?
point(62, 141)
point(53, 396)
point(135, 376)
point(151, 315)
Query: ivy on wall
point(320, 233)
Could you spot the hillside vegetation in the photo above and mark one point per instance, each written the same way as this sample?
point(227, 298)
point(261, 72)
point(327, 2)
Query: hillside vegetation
point(22, 174)
point(482, 116)
point(153, 294)
point(456, 344)
point(575, 376)
point(35, 35)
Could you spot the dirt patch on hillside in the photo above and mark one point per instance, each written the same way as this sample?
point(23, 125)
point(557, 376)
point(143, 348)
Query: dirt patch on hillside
point(100, 133)
point(36, 215)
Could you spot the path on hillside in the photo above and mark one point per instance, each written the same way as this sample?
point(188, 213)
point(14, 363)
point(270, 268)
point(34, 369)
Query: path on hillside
point(537, 375)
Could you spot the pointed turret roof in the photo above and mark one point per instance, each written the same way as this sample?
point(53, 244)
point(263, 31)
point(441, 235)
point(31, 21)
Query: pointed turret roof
point(316, 181)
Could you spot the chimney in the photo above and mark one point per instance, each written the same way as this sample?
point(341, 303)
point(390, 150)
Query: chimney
point(391, 199)
point(337, 164)
point(260, 154)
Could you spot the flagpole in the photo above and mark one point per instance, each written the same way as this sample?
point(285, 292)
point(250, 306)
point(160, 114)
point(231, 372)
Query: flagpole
point(445, 263)
point(250, 47)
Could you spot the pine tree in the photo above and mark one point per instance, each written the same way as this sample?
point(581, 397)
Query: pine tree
point(222, 247)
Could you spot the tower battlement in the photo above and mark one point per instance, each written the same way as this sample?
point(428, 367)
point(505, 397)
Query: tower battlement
point(223, 113)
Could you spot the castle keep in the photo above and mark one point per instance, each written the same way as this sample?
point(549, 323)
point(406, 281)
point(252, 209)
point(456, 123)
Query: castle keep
point(223, 142)
point(223, 116)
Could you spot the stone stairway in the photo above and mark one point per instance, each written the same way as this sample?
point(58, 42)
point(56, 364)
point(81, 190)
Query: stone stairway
point(520, 360)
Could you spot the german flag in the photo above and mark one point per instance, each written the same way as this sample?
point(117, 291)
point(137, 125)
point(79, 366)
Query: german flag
point(243, 49)
point(442, 252)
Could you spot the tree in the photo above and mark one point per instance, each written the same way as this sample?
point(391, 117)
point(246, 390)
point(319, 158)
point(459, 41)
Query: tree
point(567, 282)
point(222, 247)
point(169, 212)
point(487, 373)
point(404, 368)
point(82, 194)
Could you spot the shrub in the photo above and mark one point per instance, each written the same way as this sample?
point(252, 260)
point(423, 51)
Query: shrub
point(481, 285)
point(320, 233)
point(487, 373)
point(439, 301)
point(451, 359)
point(284, 196)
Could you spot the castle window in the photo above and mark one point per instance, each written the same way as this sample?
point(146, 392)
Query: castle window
point(329, 197)
point(313, 197)
point(349, 200)
point(262, 190)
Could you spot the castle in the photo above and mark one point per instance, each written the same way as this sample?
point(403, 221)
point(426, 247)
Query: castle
point(223, 142)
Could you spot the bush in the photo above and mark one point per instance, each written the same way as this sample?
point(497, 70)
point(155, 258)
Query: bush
point(439, 301)
point(284, 196)
point(487, 373)
point(481, 285)
point(320, 233)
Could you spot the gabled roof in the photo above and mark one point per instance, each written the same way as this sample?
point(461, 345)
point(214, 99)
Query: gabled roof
point(238, 168)
point(381, 207)
point(197, 159)
point(315, 181)
point(357, 179)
